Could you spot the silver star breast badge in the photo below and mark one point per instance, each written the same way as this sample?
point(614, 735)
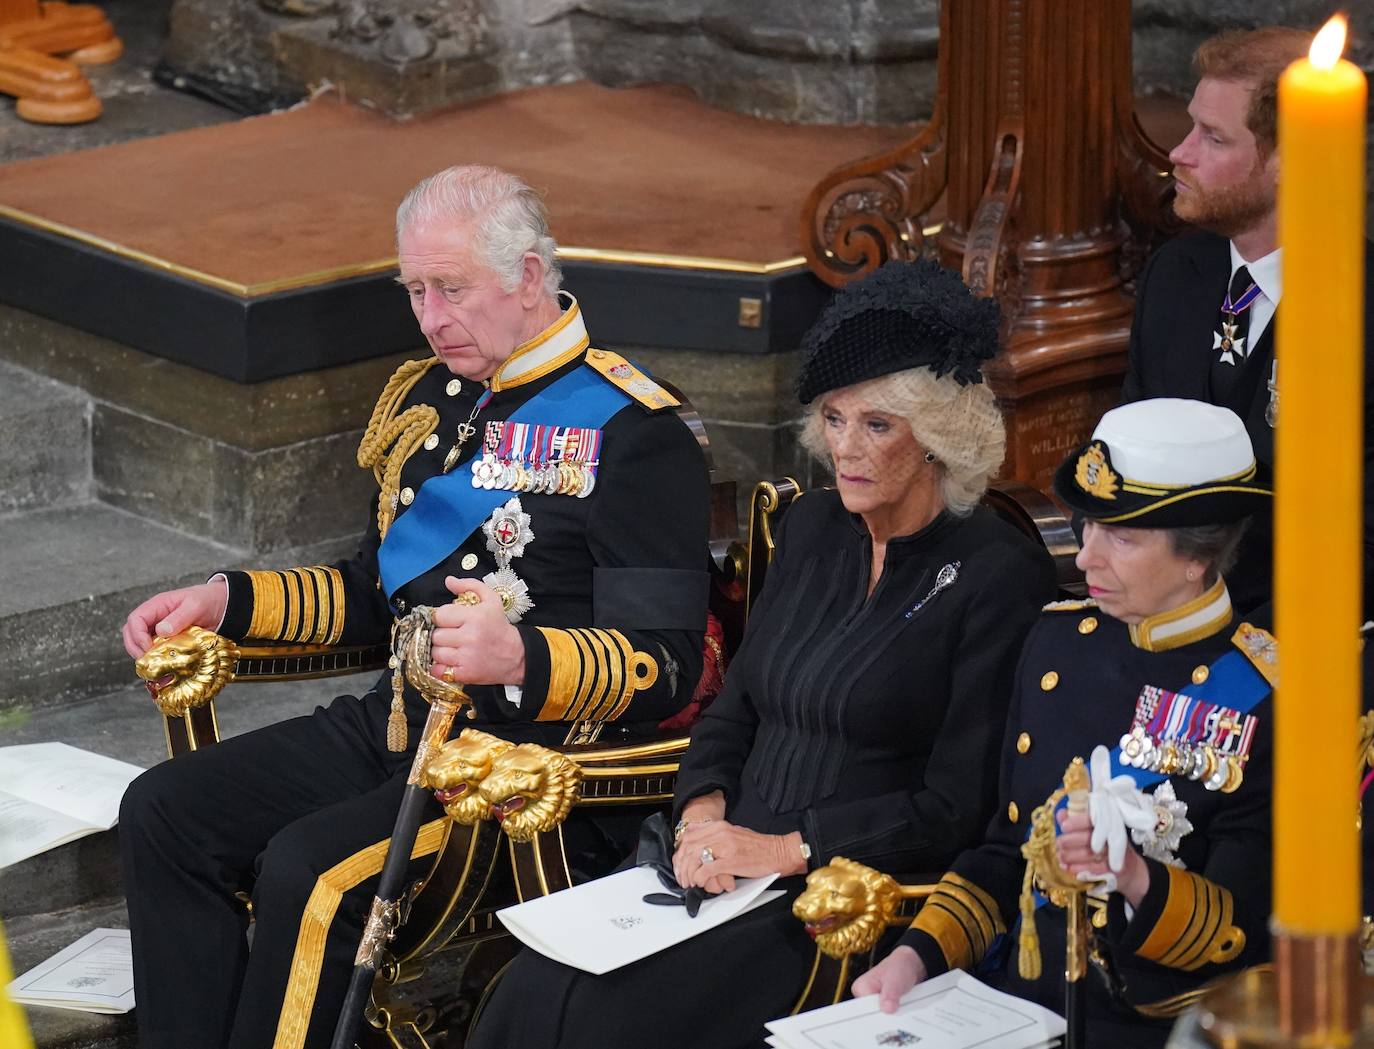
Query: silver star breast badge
point(513, 591)
point(508, 532)
point(1172, 825)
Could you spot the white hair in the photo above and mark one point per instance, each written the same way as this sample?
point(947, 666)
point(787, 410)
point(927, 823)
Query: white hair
point(510, 216)
point(961, 425)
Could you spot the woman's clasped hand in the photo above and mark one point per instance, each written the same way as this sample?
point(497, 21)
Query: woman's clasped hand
point(712, 852)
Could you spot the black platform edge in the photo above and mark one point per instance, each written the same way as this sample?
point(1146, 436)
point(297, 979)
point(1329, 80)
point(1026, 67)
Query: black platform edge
point(250, 339)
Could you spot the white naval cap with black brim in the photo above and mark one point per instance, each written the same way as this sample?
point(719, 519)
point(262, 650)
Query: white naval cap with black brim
point(1165, 463)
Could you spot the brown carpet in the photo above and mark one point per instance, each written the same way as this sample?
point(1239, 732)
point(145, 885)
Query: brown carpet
point(645, 169)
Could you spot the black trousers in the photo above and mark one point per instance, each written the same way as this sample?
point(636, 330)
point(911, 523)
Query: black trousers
point(298, 814)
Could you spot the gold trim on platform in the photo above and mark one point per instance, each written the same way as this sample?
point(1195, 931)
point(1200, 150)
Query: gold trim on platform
point(680, 262)
point(360, 269)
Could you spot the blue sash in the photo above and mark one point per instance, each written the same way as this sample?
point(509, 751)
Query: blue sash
point(447, 509)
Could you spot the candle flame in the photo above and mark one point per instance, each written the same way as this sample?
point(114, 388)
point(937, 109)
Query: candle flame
point(1328, 44)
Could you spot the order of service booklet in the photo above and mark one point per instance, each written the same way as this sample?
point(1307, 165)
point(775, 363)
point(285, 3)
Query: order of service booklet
point(95, 975)
point(951, 1011)
point(51, 794)
point(603, 924)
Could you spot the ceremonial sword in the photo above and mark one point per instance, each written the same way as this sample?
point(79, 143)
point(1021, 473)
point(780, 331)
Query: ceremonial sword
point(411, 657)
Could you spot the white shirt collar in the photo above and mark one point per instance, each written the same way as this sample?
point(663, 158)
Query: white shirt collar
point(1266, 271)
point(553, 347)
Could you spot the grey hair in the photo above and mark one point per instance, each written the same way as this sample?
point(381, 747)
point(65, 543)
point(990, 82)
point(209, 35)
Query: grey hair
point(511, 219)
point(1216, 546)
point(961, 425)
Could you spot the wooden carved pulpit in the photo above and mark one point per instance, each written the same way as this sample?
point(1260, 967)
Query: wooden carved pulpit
point(1052, 197)
point(52, 90)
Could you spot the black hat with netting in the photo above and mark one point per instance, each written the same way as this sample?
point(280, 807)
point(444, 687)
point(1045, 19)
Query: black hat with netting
point(902, 315)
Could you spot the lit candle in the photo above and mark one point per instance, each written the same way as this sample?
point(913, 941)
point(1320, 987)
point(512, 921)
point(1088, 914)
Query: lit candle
point(1318, 489)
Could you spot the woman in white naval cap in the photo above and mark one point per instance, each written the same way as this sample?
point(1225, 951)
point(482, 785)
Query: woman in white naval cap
point(1156, 683)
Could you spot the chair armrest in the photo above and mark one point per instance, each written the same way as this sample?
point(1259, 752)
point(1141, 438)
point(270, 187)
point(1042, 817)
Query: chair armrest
point(642, 773)
point(273, 661)
point(846, 906)
point(185, 673)
point(531, 789)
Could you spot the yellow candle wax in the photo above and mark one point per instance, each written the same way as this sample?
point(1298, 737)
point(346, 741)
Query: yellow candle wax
point(1319, 453)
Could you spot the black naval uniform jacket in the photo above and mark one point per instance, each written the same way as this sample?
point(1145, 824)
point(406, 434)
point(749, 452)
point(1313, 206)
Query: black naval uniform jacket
point(1178, 300)
point(616, 577)
point(869, 722)
point(1076, 687)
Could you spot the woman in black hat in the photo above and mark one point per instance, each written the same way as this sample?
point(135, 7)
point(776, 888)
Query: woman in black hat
point(1159, 686)
point(863, 712)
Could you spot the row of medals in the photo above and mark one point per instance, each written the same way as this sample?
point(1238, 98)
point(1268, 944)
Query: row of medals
point(555, 478)
point(1200, 761)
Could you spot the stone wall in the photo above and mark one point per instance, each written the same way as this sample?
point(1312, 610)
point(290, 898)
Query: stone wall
point(822, 61)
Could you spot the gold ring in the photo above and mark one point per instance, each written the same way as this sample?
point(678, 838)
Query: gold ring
point(448, 675)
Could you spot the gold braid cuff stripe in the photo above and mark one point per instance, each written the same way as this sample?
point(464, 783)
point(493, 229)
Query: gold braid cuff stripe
point(962, 919)
point(303, 605)
point(1195, 927)
point(316, 920)
point(593, 674)
point(269, 605)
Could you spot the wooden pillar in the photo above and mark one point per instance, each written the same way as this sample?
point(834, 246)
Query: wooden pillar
point(1051, 195)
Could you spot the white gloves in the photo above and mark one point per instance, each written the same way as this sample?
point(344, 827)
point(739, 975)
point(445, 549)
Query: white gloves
point(1115, 805)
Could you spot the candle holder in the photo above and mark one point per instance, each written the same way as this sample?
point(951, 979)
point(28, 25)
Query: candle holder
point(1316, 996)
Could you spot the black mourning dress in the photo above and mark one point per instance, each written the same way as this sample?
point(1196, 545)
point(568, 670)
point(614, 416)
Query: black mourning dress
point(869, 723)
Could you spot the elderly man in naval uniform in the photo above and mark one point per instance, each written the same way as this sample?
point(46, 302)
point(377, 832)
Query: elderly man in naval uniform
point(517, 463)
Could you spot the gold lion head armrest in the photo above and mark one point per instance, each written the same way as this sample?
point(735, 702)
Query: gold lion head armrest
point(188, 670)
point(457, 771)
point(185, 673)
point(846, 906)
point(530, 790)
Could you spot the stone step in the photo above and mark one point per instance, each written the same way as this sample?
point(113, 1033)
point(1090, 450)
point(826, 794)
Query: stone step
point(45, 429)
point(51, 900)
point(124, 724)
point(35, 938)
point(71, 577)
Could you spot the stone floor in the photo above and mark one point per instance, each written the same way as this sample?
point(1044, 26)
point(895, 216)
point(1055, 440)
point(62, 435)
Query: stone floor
point(135, 106)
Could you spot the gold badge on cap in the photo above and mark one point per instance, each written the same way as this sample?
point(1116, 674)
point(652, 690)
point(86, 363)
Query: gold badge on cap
point(1093, 474)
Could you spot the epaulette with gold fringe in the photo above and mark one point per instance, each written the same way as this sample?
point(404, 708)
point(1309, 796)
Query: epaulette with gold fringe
point(624, 375)
point(1070, 605)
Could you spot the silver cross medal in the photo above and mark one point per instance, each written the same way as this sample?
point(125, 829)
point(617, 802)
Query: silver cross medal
point(1226, 341)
